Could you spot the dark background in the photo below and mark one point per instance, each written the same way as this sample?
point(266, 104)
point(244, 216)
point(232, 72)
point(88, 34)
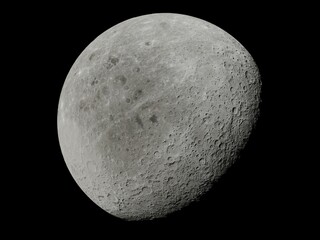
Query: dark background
point(262, 194)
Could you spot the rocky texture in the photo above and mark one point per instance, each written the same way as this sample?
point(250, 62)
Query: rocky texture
point(154, 111)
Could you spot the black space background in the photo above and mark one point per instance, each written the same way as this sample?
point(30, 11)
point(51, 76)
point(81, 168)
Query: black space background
point(262, 194)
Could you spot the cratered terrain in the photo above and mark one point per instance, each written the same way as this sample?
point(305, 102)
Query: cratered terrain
point(154, 111)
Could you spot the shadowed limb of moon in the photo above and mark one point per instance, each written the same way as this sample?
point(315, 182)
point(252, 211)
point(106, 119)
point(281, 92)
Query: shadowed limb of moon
point(154, 111)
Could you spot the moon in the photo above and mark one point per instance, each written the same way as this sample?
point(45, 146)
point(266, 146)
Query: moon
point(154, 111)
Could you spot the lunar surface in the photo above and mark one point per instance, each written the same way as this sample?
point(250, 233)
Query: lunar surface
point(154, 111)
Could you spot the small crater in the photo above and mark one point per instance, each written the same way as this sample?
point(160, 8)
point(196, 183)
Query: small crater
point(94, 82)
point(218, 124)
point(206, 118)
point(100, 197)
point(114, 60)
point(82, 105)
point(170, 149)
point(137, 69)
point(217, 142)
point(234, 110)
point(164, 25)
point(91, 57)
point(105, 90)
point(143, 161)
point(121, 79)
point(128, 100)
point(156, 186)
point(170, 181)
point(148, 43)
point(130, 183)
point(111, 117)
point(173, 165)
point(95, 55)
point(92, 166)
point(202, 161)
point(108, 65)
point(221, 146)
point(139, 121)
point(146, 191)
point(154, 118)
point(137, 94)
point(157, 154)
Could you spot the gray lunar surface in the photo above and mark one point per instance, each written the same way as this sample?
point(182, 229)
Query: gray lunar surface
point(154, 111)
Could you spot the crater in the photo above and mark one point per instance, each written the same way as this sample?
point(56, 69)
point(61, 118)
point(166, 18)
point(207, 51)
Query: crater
point(164, 25)
point(137, 69)
point(114, 60)
point(95, 55)
point(83, 106)
point(139, 121)
point(157, 154)
point(105, 90)
point(91, 57)
point(94, 82)
point(121, 79)
point(154, 118)
point(137, 94)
